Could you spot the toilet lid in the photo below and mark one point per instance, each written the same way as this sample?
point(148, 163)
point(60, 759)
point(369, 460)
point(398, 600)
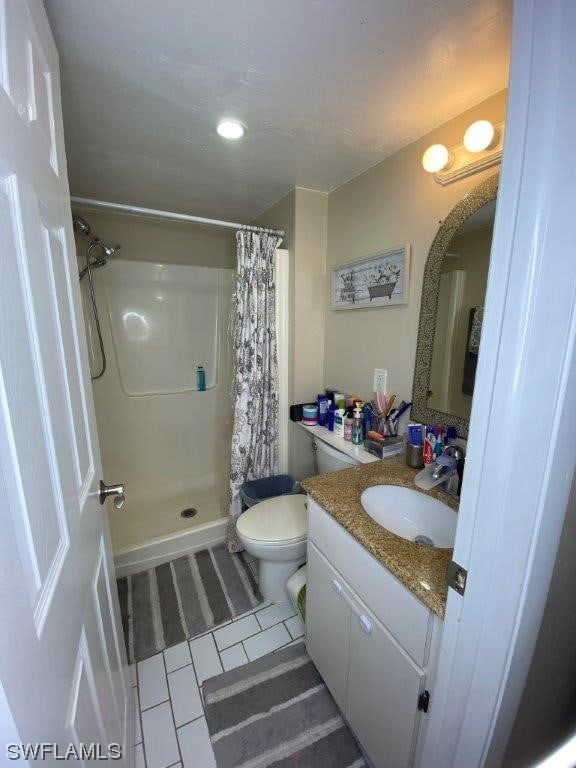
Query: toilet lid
point(282, 518)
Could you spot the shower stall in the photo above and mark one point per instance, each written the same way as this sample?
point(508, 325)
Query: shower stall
point(154, 311)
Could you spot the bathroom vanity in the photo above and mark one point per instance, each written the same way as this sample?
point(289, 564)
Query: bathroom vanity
point(374, 610)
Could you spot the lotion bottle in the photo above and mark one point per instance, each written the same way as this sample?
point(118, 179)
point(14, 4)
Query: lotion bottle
point(339, 417)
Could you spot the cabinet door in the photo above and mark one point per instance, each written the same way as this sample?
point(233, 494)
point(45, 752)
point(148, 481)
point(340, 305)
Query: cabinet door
point(383, 689)
point(327, 624)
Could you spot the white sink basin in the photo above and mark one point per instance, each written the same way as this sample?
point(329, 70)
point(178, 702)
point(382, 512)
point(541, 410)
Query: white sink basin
point(411, 515)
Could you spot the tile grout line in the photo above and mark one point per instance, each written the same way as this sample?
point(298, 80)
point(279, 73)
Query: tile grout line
point(172, 711)
point(183, 666)
point(288, 630)
point(140, 716)
point(190, 721)
point(198, 685)
point(158, 704)
point(256, 633)
point(239, 641)
point(221, 664)
point(137, 714)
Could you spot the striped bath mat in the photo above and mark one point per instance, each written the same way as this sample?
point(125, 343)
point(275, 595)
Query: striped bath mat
point(183, 598)
point(277, 711)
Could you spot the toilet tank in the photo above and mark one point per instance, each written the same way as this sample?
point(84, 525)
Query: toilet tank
point(330, 459)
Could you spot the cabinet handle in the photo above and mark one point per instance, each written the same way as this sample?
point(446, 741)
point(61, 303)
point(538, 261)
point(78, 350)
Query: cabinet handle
point(336, 586)
point(365, 624)
point(363, 621)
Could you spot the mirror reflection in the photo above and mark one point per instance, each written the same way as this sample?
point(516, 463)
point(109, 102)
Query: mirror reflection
point(463, 277)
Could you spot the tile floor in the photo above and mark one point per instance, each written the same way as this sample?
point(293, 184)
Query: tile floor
point(170, 725)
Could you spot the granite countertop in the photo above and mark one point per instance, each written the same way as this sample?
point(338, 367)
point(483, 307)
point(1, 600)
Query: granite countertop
point(421, 569)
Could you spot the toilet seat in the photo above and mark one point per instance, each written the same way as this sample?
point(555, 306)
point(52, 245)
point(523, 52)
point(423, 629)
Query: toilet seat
point(276, 521)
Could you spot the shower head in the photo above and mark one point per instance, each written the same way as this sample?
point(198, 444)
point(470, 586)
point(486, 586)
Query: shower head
point(81, 225)
point(109, 250)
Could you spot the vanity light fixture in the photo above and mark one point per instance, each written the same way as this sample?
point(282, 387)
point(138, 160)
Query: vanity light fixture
point(230, 129)
point(480, 135)
point(481, 149)
point(436, 158)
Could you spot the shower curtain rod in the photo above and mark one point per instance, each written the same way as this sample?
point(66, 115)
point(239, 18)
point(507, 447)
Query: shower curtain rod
point(157, 214)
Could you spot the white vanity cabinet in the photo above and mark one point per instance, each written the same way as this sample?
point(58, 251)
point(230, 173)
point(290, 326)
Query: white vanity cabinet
point(376, 681)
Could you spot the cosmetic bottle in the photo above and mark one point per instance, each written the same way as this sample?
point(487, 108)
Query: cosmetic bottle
point(310, 415)
point(323, 404)
point(429, 443)
point(339, 417)
point(331, 412)
point(368, 418)
point(348, 424)
point(439, 444)
point(200, 378)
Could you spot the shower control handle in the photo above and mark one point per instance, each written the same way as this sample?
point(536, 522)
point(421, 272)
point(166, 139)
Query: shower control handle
point(117, 491)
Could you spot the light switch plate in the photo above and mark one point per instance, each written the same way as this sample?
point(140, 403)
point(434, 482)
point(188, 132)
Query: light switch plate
point(380, 380)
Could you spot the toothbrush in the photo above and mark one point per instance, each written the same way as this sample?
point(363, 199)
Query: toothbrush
point(390, 404)
point(380, 400)
point(402, 408)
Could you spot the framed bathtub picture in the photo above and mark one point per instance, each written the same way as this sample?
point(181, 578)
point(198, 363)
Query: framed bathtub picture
point(379, 280)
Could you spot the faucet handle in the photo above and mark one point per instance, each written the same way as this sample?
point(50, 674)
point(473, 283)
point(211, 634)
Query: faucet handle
point(455, 451)
point(444, 465)
point(459, 456)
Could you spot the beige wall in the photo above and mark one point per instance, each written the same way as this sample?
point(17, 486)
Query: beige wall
point(303, 216)
point(153, 240)
point(281, 215)
point(395, 202)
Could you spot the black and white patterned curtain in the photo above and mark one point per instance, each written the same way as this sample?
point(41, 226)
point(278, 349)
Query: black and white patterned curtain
point(255, 392)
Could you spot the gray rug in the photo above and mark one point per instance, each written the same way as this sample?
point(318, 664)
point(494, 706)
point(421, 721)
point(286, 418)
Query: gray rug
point(277, 711)
point(183, 598)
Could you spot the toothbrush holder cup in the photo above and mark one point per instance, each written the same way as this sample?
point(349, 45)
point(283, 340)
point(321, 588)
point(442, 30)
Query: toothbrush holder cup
point(414, 457)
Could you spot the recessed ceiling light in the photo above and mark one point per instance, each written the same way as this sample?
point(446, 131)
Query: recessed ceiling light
point(230, 129)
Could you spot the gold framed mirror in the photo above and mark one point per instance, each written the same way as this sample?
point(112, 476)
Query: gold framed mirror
point(451, 311)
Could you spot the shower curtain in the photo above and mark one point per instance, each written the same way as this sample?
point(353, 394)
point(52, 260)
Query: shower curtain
point(254, 452)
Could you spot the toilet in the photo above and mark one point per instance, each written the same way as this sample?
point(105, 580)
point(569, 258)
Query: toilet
point(329, 459)
point(275, 530)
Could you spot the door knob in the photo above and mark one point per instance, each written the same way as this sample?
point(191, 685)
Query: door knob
point(117, 491)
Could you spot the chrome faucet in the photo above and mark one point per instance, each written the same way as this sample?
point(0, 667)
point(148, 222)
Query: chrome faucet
point(453, 482)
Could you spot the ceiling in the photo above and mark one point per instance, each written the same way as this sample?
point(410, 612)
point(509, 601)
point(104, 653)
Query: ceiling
point(326, 88)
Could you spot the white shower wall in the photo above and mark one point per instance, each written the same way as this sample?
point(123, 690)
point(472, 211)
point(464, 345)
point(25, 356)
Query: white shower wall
point(165, 440)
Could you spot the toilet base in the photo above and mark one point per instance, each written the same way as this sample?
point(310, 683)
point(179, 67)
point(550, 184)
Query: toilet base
point(273, 577)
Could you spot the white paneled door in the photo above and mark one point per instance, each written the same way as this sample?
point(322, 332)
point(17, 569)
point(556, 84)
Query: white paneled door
point(63, 670)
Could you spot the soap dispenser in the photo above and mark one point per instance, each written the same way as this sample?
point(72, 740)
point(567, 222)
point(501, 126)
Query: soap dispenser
point(357, 431)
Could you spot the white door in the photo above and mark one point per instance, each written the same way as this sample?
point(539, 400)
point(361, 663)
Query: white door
point(63, 669)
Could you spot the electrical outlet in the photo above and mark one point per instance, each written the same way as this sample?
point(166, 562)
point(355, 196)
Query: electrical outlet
point(380, 380)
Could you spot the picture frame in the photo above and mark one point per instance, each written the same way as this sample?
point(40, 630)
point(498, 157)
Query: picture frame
point(379, 280)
